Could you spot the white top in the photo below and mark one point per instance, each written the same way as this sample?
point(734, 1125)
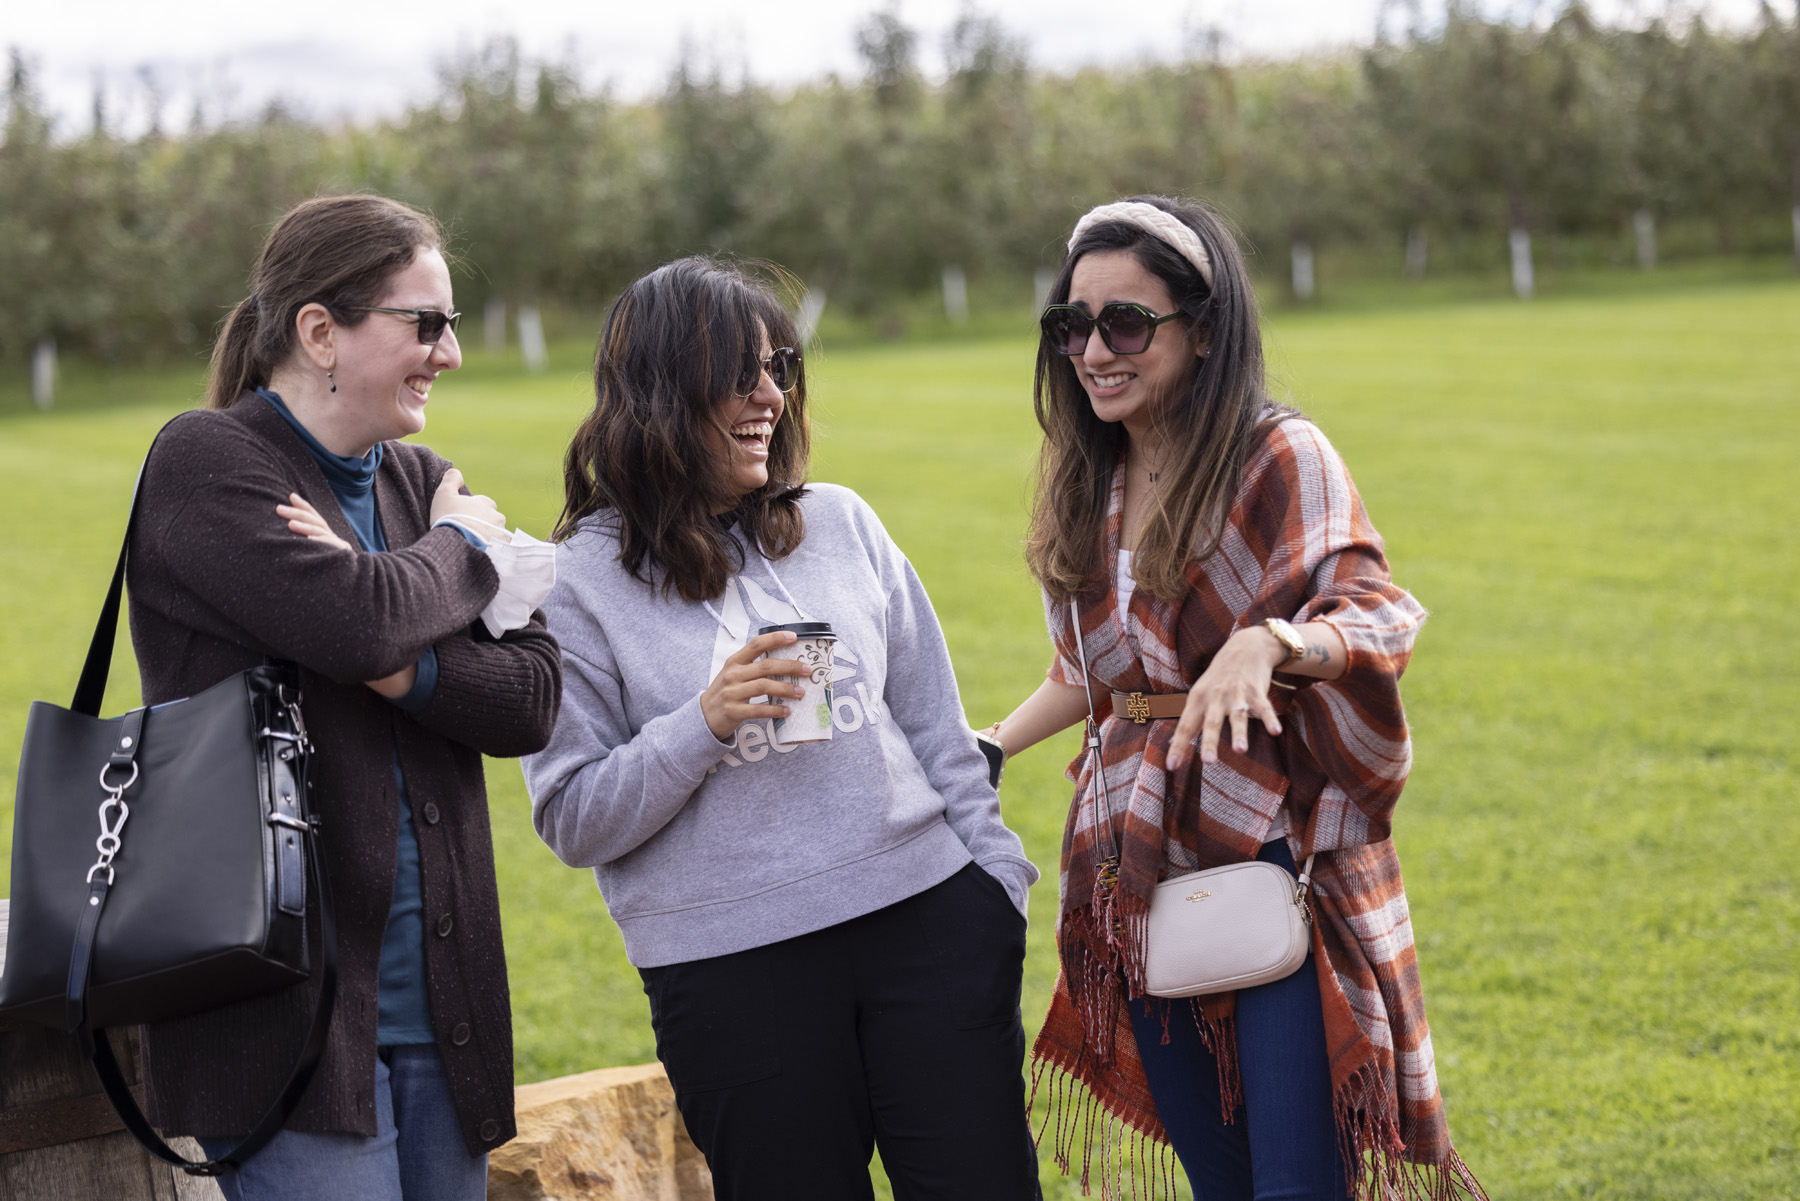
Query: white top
point(1126, 584)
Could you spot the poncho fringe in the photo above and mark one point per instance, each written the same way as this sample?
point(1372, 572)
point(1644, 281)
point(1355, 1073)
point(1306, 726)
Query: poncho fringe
point(1139, 1163)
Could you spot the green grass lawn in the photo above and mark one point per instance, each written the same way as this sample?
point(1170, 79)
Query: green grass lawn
point(1594, 495)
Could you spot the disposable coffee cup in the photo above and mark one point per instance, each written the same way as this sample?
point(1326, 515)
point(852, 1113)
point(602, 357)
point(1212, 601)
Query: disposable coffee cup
point(809, 716)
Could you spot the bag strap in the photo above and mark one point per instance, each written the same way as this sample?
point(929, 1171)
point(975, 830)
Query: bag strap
point(1093, 729)
point(98, 1047)
point(90, 692)
point(1093, 742)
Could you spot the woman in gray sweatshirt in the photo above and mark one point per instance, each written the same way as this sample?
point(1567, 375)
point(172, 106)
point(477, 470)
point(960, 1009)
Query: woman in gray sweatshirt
point(831, 934)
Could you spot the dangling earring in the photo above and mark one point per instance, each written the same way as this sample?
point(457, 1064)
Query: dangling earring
point(333, 382)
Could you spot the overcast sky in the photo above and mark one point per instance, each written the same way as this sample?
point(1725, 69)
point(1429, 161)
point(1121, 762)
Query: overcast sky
point(332, 58)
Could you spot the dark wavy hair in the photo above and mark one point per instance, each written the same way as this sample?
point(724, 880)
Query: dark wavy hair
point(338, 251)
point(1209, 430)
point(670, 354)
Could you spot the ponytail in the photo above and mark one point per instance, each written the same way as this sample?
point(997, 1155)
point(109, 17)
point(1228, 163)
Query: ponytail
point(234, 367)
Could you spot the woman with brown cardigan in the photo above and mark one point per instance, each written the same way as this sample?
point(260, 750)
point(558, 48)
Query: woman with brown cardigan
point(287, 521)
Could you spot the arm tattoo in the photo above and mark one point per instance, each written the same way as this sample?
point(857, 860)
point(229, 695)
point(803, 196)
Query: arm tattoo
point(1323, 651)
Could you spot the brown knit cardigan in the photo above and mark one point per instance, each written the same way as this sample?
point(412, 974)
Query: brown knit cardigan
point(216, 583)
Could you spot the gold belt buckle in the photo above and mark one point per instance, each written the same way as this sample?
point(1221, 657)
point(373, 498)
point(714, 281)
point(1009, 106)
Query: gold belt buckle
point(1137, 708)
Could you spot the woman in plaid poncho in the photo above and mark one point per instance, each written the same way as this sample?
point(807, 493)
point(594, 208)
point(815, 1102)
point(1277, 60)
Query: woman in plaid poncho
point(1218, 559)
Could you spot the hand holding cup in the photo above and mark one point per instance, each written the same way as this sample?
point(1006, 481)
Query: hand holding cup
point(726, 702)
point(810, 719)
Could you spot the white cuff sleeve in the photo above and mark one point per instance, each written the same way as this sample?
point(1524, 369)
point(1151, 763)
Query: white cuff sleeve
point(527, 570)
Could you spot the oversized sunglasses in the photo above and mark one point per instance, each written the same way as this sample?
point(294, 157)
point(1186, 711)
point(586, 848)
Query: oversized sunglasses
point(432, 322)
point(1125, 328)
point(783, 366)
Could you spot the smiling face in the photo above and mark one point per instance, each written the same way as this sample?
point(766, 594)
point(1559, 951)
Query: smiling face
point(1130, 388)
point(749, 423)
point(383, 372)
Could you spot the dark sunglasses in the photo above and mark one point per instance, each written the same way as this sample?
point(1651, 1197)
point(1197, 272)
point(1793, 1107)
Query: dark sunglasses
point(783, 366)
point(432, 322)
point(1125, 328)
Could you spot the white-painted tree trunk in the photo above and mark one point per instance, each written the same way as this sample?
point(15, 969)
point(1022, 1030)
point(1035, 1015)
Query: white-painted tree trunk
point(43, 373)
point(493, 323)
point(1523, 280)
point(1301, 254)
point(531, 339)
point(1643, 224)
point(1416, 247)
point(956, 295)
point(1042, 280)
point(812, 307)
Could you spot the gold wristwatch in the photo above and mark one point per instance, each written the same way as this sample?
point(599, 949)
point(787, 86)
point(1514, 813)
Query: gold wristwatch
point(1289, 637)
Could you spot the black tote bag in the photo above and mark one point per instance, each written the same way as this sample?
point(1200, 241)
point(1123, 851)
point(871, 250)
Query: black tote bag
point(162, 865)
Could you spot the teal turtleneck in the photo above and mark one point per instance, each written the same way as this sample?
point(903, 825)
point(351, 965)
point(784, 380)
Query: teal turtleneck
point(403, 1012)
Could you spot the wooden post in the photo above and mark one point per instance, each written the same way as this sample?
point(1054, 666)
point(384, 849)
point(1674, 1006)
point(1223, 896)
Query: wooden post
point(59, 1139)
point(956, 295)
point(1416, 247)
point(1301, 261)
point(1643, 224)
point(43, 372)
point(1523, 277)
point(531, 339)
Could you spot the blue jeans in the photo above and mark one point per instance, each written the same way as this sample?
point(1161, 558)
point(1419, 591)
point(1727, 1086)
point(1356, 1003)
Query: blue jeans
point(1283, 1144)
point(417, 1153)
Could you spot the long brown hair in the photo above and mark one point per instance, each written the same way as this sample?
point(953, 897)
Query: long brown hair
point(669, 355)
point(1209, 430)
point(338, 251)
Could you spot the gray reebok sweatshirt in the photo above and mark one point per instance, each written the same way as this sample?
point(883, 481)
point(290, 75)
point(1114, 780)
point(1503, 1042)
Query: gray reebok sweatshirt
point(703, 848)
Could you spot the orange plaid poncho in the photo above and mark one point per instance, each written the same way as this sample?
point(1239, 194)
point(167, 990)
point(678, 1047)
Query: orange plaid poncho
point(1297, 545)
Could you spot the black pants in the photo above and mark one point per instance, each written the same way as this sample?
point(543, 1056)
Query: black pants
point(898, 1029)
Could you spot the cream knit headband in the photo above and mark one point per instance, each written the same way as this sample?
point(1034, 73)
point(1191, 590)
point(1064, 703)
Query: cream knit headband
point(1152, 219)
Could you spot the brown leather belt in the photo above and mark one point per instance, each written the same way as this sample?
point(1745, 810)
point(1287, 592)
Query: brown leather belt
point(1141, 707)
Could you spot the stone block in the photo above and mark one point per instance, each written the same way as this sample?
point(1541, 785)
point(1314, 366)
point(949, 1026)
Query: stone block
point(607, 1135)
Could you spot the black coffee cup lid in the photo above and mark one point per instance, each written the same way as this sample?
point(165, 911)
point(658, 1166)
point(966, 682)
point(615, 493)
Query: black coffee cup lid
point(802, 629)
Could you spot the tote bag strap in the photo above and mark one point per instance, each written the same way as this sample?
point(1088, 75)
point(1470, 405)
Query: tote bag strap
point(98, 1047)
point(90, 691)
